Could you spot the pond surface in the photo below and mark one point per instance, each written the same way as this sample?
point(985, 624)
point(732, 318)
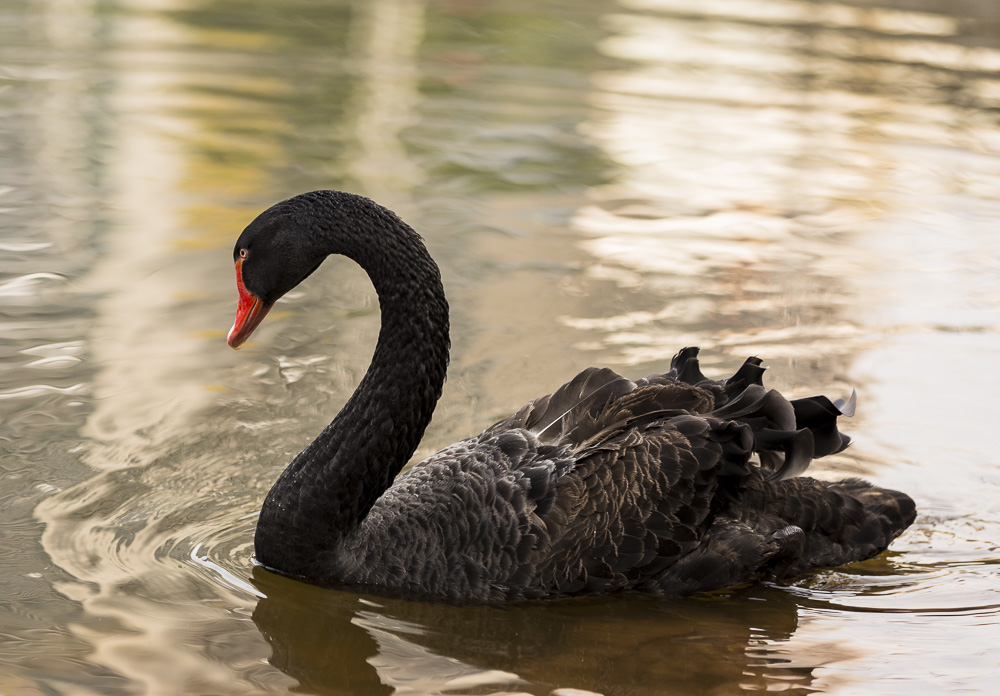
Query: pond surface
point(602, 183)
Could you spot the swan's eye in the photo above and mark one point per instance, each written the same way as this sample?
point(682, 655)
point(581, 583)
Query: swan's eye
point(243, 253)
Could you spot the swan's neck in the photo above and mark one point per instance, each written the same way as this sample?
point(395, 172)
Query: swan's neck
point(329, 488)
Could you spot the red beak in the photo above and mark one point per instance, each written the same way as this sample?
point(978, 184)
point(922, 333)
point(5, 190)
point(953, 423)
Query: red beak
point(250, 312)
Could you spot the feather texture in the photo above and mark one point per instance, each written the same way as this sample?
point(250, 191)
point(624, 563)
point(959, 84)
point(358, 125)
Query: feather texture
point(605, 485)
point(671, 484)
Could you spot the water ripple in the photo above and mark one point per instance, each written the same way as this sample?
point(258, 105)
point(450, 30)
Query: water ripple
point(36, 390)
point(815, 182)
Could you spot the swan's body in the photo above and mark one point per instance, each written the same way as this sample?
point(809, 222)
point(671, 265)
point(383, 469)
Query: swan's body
point(605, 485)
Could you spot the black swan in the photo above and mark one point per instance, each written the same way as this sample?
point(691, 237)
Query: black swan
point(605, 485)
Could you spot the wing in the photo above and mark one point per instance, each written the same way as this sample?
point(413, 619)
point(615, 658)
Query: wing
point(654, 463)
point(603, 485)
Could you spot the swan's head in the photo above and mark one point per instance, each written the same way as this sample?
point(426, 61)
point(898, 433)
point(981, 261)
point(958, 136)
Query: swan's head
point(276, 252)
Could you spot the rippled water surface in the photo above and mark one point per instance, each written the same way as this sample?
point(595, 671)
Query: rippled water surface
point(602, 183)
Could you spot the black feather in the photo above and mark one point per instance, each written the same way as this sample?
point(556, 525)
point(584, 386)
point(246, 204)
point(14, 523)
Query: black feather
point(671, 484)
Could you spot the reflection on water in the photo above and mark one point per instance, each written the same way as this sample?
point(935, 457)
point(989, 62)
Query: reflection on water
point(602, 183)
point(711, 645)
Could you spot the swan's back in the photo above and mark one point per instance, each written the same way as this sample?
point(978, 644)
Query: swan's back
point(608, 485)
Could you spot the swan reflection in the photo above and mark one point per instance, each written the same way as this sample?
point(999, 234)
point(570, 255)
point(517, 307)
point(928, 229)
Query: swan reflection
point(340, 642)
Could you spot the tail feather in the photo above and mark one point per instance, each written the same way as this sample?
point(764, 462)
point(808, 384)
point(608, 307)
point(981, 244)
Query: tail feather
point(800, 524)
point(598, 403)
point(788, 435)
point(717, 463)
point(819, 414)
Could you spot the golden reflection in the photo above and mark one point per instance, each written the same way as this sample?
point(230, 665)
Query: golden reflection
point(389, 33)
point(941, 55)
point(818, 192)
point(108, 532)
point(879, 19)
point(774, 177)
point(136, 284)
point(177, 133)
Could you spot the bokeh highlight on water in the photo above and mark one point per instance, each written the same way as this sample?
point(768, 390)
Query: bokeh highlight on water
point(603, 183)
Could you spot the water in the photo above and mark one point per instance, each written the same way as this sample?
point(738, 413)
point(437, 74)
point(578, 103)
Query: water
point(602, 182)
